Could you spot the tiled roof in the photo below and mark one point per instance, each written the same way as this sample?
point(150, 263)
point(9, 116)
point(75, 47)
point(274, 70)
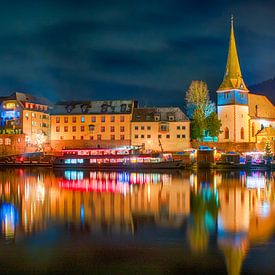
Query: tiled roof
point(23, 97)
point(94, 107)
point(149, 114)
point(266, 132)
point(260, 107)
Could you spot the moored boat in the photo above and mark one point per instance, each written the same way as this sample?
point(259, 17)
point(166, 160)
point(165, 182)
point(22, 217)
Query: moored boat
point(116, 158)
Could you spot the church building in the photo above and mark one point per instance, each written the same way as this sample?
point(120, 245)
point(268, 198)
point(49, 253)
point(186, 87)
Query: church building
point(245, 116)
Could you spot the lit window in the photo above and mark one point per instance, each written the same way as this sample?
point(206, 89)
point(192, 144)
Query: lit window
point(33, 123)
point(7, 141)
point(83, 119)
point(27, 114)
point(33, 115)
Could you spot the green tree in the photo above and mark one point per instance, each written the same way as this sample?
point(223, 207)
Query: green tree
point(199, 108)
point(198, 125)
point(268, 151)
point(213, 124)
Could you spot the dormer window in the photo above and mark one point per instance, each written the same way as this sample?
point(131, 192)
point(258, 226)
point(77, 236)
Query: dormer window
point(84, 108)
point(171, 118)
point(69, 108)
point(157, 117)
point(123, 108)
point(104, 108)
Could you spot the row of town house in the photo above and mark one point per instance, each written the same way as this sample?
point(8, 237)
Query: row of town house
point(30, 123)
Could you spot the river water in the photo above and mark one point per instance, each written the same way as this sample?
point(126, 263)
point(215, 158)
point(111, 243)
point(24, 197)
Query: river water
point(205, 222)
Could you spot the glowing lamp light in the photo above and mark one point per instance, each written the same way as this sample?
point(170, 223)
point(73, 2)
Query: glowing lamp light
point(39, 140)
point(9, 218)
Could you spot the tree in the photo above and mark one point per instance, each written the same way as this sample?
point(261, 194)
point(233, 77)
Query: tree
point(198, 125)
point(199, 108)
point(197, 98)
point(213, 124)
point(268, 151)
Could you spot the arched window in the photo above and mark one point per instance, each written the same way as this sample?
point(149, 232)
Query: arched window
point(253, 129)
point(226, 133)
point(242, 133)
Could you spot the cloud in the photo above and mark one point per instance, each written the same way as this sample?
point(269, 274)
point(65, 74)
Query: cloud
point(148, 50)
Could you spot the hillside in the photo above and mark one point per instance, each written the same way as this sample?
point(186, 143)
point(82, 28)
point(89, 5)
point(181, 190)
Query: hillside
point(266, 88)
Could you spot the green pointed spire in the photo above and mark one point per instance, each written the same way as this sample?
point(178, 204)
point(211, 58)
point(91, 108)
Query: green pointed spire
point(233, 76)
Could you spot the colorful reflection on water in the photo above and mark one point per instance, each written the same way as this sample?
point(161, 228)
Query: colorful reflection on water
point(218, 219)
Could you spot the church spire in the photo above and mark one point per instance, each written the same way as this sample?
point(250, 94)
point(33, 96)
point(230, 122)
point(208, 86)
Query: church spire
point(233, 76)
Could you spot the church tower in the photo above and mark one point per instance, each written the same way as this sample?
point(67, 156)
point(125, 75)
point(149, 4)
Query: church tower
point(232, 98)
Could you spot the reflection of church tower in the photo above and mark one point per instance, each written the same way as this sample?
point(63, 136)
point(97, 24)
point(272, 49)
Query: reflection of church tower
point(232, 98)
point(234, 253)
point(233, 224)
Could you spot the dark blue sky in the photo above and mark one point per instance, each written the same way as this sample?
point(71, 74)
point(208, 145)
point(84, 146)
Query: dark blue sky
point(148, 50)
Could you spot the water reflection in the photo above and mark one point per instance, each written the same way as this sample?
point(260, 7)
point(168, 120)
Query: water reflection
point(227, 211)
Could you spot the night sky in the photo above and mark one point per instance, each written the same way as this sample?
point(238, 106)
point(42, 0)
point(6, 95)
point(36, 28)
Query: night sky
point(149, 50)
